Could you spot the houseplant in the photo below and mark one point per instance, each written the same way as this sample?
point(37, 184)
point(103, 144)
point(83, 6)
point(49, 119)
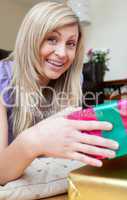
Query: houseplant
point(94, 71)
point(98, 61)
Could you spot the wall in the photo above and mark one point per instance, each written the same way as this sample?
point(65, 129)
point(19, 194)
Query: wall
point(11, 14)
point(109, 31)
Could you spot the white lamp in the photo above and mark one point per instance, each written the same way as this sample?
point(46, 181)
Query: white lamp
point(81, 8)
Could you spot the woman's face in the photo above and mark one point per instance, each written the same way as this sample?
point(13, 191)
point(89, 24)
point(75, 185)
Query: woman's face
point(58, 51)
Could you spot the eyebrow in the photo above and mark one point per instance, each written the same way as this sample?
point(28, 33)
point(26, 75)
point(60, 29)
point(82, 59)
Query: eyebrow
point(57, 32)
point(60, 33)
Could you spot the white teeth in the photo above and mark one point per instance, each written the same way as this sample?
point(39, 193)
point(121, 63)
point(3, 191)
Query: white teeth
point(55, 63)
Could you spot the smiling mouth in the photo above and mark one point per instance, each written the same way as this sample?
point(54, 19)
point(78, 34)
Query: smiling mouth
point(55, 63)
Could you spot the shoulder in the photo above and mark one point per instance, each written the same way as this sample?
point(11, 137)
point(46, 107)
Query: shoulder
point(6, 68)
point(5, 73)
point(5, 79)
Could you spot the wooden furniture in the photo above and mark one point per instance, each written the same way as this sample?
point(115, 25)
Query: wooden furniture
point(112, 87)
point(4, 53)
point(97, 93)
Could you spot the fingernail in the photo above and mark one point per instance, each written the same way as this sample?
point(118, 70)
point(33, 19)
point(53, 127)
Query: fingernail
point(99, 163)
point(110, 126)
point(115, 145)
point(112, 155)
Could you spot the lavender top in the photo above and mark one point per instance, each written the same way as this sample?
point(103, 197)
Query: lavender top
point(5, 78)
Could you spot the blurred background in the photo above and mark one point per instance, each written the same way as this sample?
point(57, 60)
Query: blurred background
point(106, 30)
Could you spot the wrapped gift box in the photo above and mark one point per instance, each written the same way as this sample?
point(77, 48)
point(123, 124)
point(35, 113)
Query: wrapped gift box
point(106, 183)
point(114, 112)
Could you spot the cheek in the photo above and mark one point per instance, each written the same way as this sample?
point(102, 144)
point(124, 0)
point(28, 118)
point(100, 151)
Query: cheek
point(45, 50)
point(72, 56)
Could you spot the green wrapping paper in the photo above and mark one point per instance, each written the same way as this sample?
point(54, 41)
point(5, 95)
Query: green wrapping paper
point(114, 112)
point(110, 112)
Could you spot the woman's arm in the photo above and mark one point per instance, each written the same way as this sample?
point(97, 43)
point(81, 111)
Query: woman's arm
point(3, 127)
point(55, 137)
point(17, 156)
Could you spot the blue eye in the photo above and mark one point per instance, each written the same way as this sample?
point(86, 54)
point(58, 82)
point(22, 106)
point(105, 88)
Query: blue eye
point(52, 40)
point(71, 45)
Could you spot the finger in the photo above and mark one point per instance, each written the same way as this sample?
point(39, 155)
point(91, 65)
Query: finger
point(86, 159)
point(93, 150)
point(67, 111)
point(96, 140)
point(90, 125)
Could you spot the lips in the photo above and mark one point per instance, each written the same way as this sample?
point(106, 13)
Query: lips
point(55, 63)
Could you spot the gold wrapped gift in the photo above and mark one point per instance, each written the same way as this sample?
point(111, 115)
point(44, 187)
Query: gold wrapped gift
point(106, 183)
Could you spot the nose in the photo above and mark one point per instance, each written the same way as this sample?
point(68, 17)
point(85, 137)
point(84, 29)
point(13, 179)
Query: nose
point(61, 51)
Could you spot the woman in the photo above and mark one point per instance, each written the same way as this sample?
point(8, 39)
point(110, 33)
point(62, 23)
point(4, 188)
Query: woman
point(42, 80)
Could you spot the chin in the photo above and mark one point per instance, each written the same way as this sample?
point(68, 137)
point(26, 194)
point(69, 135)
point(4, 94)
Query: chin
point(53, 77)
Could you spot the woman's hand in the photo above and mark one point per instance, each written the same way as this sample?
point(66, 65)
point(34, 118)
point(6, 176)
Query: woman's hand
point(61, 137)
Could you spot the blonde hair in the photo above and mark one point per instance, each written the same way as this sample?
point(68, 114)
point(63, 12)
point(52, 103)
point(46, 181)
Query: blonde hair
point(41, 19)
